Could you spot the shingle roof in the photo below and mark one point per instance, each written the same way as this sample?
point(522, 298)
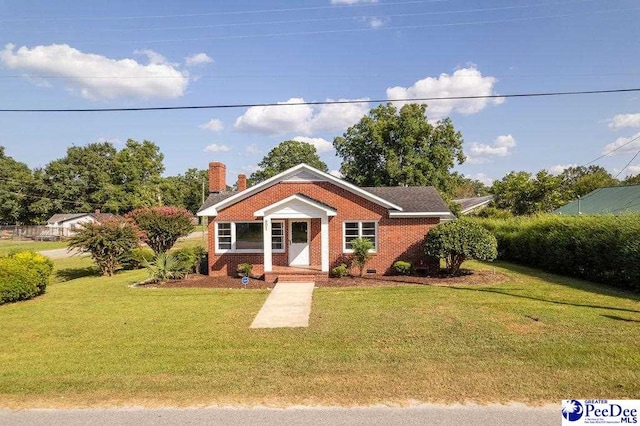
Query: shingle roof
point(468, 204)
point(411, 198)
point(216, 197)
point(63, 217)
point(609, 200)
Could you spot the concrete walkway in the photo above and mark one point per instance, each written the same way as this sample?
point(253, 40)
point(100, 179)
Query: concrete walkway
point(288, 305)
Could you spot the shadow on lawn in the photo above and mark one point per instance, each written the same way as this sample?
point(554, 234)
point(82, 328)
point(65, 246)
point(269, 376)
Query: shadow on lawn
point(556, 302)
point(69, 274)
point(567, 281)
point(617, 318)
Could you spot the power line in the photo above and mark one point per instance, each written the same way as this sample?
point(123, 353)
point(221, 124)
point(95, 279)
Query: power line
point(237, 12)
point(355, 101)
point(612, 151)
point(355, 30)
point(344, 18)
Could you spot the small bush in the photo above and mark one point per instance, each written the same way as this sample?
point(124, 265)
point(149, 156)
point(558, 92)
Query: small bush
point(244, 269)
point(340, 271)
point(135, 258)
point(460, 240)
point(166, 266)
point(191, 257)
point(23, 275)
point(403, 268)
point(361, 253)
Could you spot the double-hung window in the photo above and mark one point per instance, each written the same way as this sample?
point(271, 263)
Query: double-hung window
point(247, 237)
point(359, 229)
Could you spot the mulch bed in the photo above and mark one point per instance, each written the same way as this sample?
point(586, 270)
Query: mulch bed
point(475, 278)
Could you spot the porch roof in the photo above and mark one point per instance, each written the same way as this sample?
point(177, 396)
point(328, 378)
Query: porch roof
point(296, 206)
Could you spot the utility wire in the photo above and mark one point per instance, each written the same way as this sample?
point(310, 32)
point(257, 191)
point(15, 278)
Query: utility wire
point(339, 102)
point(237, 12)
point(340, 18)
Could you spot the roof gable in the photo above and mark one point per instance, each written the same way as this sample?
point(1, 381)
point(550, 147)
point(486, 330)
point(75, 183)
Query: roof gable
point(301, 172)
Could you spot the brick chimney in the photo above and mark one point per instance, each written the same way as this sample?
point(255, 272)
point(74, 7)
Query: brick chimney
point(242, 182)
point(217, 177)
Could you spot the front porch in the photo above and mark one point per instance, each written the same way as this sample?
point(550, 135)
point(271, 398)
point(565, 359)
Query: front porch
point(304, 233)
point(296, 273)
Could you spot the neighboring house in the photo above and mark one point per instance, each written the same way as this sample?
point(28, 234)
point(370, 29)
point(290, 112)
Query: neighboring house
point(64, 224)
point(609, 200)
point(469, 205)
point(304, 220)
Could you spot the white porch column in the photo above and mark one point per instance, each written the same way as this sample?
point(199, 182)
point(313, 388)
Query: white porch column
point(268, 260)
point(324, 243)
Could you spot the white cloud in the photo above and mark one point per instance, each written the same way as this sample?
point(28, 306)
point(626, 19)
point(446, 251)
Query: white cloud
point(250, 168)
point(197, 59)
point(632, 147)
point(632, 170)
point(213, 125)
point(463, 82)
point(253, 149)
point(336, 173)
point(304, 119)
point(214, 147)
point(624, 120)
point(488, 181)
point(322, 145)
point(559, 168)
point(479, 153)
point(154, 57)
point(124, 78)
point(352, 1)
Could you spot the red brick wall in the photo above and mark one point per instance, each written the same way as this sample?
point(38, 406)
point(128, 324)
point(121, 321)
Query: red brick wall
point(398, 239)
point(217, 176)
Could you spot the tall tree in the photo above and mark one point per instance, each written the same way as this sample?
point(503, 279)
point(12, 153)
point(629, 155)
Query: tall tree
point(284, 156)
point(524, 194)
point(15, 183)
point(582, 180)
point(139, 166)
point(391, 147)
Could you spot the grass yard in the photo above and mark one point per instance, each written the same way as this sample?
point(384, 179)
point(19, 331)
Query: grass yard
point(7, 246)
point(535, 338)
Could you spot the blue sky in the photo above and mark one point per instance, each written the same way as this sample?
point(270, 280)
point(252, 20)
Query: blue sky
point(79, 54)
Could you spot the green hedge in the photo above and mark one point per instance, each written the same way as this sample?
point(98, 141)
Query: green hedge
point(604, 249)
point(23, 275)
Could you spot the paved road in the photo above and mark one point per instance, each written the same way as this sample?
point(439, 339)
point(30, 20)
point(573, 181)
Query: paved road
point(419, 415)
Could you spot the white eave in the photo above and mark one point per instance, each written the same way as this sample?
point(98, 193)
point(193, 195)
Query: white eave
point(213, 210)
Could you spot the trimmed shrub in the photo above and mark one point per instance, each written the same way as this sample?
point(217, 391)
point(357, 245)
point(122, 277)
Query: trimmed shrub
point(340, 271)
point(23, 275)
point(244, 269)
point(135, 258)
point(361, 253)
point(460, 240)
point(162, 226)
point(403, 268)
point(604, 249)
point(191, 257)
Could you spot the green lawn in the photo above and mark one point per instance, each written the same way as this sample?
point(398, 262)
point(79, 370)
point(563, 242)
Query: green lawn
point(534, 338)
point(7, 246)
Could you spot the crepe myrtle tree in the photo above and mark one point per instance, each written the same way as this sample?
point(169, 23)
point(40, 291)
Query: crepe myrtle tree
point(162, 226)
point(460, 240)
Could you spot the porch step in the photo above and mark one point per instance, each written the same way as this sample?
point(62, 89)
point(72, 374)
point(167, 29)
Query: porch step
point(288, 278)
point(275, 277)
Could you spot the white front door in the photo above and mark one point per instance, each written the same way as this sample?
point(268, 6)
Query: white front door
point(299, 243)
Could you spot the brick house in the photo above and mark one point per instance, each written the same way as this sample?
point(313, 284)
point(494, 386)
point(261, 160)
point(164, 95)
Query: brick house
point(302, 221)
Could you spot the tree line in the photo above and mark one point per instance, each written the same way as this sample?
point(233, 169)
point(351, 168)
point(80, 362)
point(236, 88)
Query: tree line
point(387, 147)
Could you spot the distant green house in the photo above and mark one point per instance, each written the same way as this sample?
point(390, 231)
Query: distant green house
point(610, 200)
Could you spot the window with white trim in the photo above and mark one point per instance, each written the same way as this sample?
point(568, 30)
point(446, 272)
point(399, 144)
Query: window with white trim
point(247, 237)
point(356, 229)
